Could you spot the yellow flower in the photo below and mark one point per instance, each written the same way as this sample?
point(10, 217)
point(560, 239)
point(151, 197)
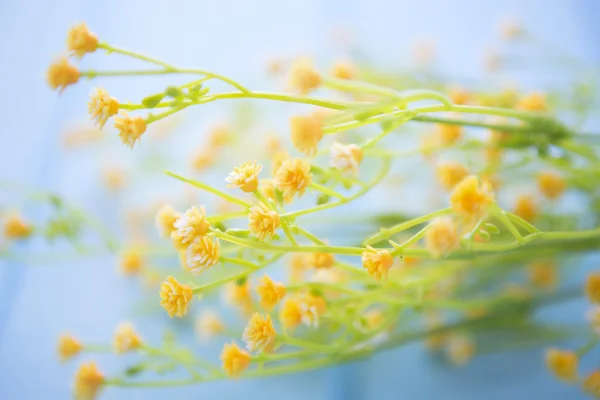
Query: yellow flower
point(270, 292)
point(277, 159)
point(448, 134)
point(267, 188)
point(165, 220)
point(543, 274)
point(459, 95)
point(208, 324)
point(262, 222)
point(62, 74)
point(202, 254)
point(81, 41)
point(533, 102)
point(290, 314)
point(563, 364)
point(130, 128)
point(16, 228)
point(450, 174)
point(131, 262)
point(593, 317)
point(321, 260)
point(303, 77)
point(175, 297)
point(238, 294)
point(299, 263)
point(460, 349)
point(377, 262)
point(592, 287)
point(551, 184)
point(526, 208)
point(471, 198)
point(235, 360)
point(245, 176)
point(88, 381)
point(311, 309)
point(591, 384)
point(260, 334)
point(293, 176)
point(114, 178)
point(102, 106)
point(441, 236)
point(346, 158)
point(306, 132)
point(68, 347)
point(192, 224)
point(203, 159)
point(343, 70)
point(126, 338)
point(220, 135)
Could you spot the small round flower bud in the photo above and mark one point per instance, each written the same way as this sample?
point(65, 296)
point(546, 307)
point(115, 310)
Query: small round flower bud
point(526, 208)
point(551, 184)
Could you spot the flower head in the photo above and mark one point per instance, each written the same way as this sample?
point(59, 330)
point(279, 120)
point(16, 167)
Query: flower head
point(543, 274)
point(62, 74)
point(262, 222)
point(130, 128)
point(441, 236)
point(192, 224)
point(131, 262)
point(526, 208)
point(260, 334)
point(293, 176)
point(449, 134)
point(16, 228)
point(321, 260)
point(175, 297)
point(202, 254)
point(245, 176)
point(551, 184)
point(306, 132)
point(290, 313)
point(220, 135)
point(298, 265)
point(270, 292)
point(165, 220)
point(303, 77)
point(533, 102)
point(591, 384)
point(238, 294)
point(471, 198)
point(459, 95)
point(102, 106)
point(377, 262)
point(126, 338)
point(68, 347)
point(208, 324)
point(563, 364)
point(346, 158)
point(343, 70)
point(450, 174)
point(235, 360)
point(81, 41)
point(88, 381)
point(203, 159)
point(311, 309)
point(592, 287)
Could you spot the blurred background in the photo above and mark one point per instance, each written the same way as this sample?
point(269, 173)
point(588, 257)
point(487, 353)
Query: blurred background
point(44, 294)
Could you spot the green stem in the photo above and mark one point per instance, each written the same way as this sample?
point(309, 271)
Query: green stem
point(386, 233)
point(210, 189)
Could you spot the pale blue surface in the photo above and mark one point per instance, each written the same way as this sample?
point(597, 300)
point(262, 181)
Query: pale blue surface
point(36, 304)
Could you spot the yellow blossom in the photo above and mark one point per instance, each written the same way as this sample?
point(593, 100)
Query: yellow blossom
point(262, 222)
point(591, 384)
point(126, 338)
point(311, 309)
point(277, 159)
point(102, 106)
point(192, 224)
point(377, 262)
point(471, 198)
point(460, 349)
point(208, 324)
point(450, 174)
point(290, 314)
point(293, 177)
point(459, 95)
point(273, 144)
point(239, 294)
point(343, 70)
point(245, 176)
point(267, 188)
point(260, 334)
point(202, 254)
point(88, 381)
point(175, 297)
point(131, 262)
point(551, 184)
point(448, 134)
point(303, 77)
point(62, 74)
point(441, 236)
point(16, 228)
point(563, 364)
point(68, 347)
point(270, 292)
point(203, 159)
point(114, 178)
point(306, 132)
point(321, 260)
point(526, 208)
point(130, 128)
point(165, 220)
point(298, 266)
point(235, 360)
point(543, 274)
point(81, 41)
point(592, 287)
point(346, 158)
point(533, 102)
point(220, 135)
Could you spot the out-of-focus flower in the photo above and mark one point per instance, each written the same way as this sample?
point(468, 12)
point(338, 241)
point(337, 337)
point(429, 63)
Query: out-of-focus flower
point(293, 177)
point(563, 364)
point(304, 309)
point(441, 236)
point(298, 265)
point(424, 51)
point(114, 178)
point(130, 128)
point(459, 95)
point(126, 338)
point(62, 74)
point(192, 224)
point(102, 106)
point(526, 208)
point(460, 349)
point(165, 220)
point(346, 157)
point(592, 287)
point(591, 384)
point(131, 262)
point(245, 176)
point(235, 360)
point(203, 159)
point(262, 222)
point(81, 41)
point(202, 254)
point(260, 334)
point(16, 228)
point(471, 197)
point(88, 381)
point(208, 324)
point(270, 292)
point(321, 260)
point(533, 102)
point(238, 294)
point(303, 77)
point(593, 317)
point(175, 297)
point(68, 347)
point(448, 134)
point(450, 174)
point(306, 132)
point(551, 184)
point(343, 70)
point(511, 29)
point(220, 135)
point(377, 262)
point(543, 274)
